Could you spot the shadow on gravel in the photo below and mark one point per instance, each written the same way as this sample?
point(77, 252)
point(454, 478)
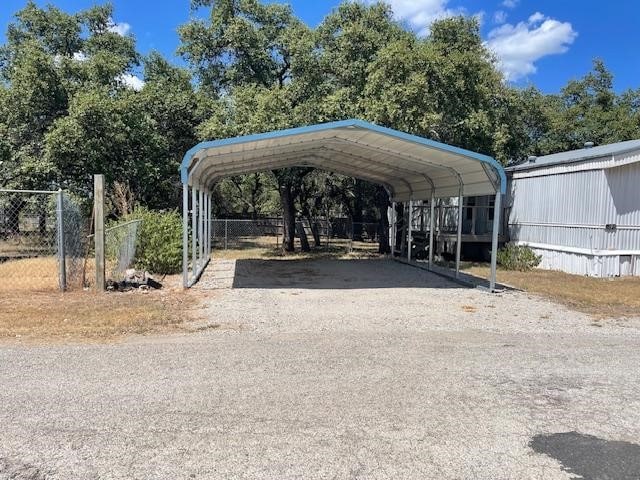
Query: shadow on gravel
point(333, 274)
point(590, 457)
point(12, 470)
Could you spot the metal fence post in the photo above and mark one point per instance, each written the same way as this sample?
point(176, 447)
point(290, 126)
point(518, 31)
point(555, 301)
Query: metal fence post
point(62, 267)
point(226, 230)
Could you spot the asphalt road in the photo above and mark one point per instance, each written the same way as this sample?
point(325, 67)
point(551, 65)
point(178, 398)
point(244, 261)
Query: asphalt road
point(315, 370)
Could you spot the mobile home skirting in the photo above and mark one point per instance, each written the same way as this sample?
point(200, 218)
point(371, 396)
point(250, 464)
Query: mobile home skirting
point(593, 263)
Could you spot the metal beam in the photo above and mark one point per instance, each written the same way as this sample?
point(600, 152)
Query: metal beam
point(185, 235)
point(409, 229)
point(200, 226)
point(459, 238)
point(494, 240)
point(431, 228)
point(208, 225)
point(392, 229)
point(194, 230)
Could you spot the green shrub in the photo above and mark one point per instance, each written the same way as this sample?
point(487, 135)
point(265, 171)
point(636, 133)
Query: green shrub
point(518, 257)
point(159, 248)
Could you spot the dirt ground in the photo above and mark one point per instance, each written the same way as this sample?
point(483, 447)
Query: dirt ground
point(354, 369)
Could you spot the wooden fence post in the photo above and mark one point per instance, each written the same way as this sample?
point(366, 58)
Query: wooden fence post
point(98, 208)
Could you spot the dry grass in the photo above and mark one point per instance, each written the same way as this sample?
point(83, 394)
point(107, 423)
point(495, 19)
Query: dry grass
point(31, 307)
point(603, 298)
point(29, 274)
point(41, 275)
point(85, 315)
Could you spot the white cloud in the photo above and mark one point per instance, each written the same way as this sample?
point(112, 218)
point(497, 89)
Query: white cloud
point(420, 14)
point(536, 18)
point(510, 3)
point(131, 81)
point(500, 17)
point(80, 56)
point(121, 28)
point(519, 46)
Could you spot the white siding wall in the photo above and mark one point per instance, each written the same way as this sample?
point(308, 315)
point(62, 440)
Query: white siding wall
point(571, 210)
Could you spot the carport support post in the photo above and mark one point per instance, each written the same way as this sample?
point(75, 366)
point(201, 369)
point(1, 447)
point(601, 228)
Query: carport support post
point(459, 238)
point(409, 229)
point(194, 230)
point(392, 229)
point(201, 227)
point(205, 239)
point(494, 240)
point(185, 235)
point(205, 222)
point(432, 208)
point(208, 243)
point(205, 216)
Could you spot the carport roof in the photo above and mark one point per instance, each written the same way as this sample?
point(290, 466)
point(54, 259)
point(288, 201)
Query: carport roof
point(409, 166)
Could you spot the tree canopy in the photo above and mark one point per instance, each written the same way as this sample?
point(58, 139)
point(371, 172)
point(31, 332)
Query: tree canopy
point(71, 103)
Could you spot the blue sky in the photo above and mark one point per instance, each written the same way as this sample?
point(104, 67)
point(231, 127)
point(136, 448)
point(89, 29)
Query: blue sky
point(540, 42)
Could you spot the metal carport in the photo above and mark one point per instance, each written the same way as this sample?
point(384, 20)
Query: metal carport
point(410, 167)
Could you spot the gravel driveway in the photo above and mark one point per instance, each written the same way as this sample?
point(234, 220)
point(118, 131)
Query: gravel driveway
point(333, 369)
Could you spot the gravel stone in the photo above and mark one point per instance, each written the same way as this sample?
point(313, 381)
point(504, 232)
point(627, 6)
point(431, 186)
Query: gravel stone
point(325, 369)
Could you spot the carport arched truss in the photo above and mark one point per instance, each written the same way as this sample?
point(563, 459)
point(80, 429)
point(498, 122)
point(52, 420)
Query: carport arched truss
point(411, 168)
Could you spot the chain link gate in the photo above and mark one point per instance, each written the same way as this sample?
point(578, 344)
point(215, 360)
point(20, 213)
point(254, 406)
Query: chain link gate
point(42, 241)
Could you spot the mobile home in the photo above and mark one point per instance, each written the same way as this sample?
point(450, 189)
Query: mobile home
point(579, 210)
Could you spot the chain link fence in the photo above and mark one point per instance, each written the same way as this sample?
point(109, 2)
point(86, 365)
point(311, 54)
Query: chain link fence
point(42, 241)
point(120, 248)
point(246, 234)
point(335, 235)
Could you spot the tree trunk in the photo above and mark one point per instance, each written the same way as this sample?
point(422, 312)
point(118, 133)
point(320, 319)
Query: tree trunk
point(382, 201)
point(316, 233)
point(42, 223)
point(304, 241)
point(16, 204)
point(289, 215)
point(306, 214)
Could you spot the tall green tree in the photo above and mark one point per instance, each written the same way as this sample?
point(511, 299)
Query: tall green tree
point(588, 109)
point(69, 110)
point(48, 58)
point(245, 55)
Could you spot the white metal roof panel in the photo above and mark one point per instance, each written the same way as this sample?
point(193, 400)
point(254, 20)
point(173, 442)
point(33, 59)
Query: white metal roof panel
point(409, 166)
point(580, 155)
